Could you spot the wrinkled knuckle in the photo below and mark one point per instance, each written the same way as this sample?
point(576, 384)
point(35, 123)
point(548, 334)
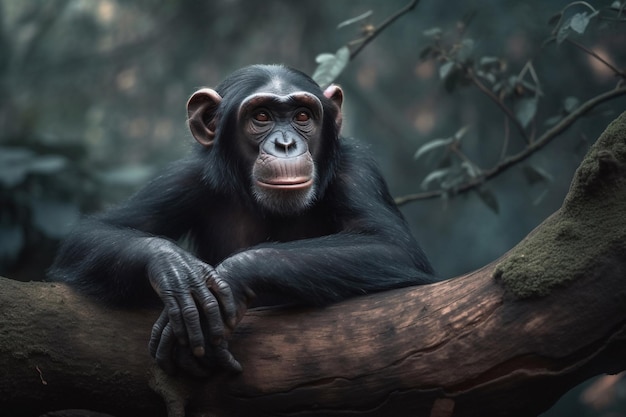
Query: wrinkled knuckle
point(210, 277)
point(212, 304)
point(173, 312)
point(157, 329)
point(222, 285)
point(189, 313)
point(217, 331)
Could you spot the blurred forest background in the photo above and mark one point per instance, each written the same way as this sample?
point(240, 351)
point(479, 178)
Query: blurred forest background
point(93, 93)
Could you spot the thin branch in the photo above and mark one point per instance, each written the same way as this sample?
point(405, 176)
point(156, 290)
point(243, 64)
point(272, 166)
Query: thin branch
point(382, 27)
point(507, 133)
point(580, 3)
point(500, 104)
point(546, 138)
point(596, 56)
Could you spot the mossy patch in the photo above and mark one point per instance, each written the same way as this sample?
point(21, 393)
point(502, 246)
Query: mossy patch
point(590, 226)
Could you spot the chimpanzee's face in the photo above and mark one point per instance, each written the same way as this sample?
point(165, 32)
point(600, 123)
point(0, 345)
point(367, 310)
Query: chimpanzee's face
point(281, 133)
point(279, 136)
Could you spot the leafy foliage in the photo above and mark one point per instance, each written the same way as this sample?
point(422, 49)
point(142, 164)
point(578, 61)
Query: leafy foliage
point(517, 95)
point(330, 66)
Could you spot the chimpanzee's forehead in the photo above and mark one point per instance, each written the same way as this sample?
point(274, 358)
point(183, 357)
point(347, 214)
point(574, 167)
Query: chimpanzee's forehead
point(279, 86)
point(281, 102)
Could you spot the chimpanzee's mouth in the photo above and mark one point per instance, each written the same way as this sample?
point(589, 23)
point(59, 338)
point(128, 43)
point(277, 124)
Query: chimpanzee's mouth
point(290, 183)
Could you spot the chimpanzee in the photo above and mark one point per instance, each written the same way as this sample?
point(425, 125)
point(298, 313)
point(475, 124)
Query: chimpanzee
point(272, 203)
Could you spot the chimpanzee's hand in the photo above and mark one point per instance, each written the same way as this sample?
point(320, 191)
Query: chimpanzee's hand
point(197, 305)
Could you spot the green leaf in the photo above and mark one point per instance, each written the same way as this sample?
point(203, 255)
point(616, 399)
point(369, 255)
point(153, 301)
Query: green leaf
point(453, 80)
point(48, 164)
point(461, 132)
point(331, 66)
point(127, 176)
point(438, 175)
point(563, 32)
point(490, 63)
point(446, 69)
point(581, 20)
point(540, 198)
point(14, 165)
point(487, 76)
point(451, 182)
point(471, 169)
point(534, 175)
point(354, 19)
point(465, 50)
point(325, 57)
point(432, 145)
point(487, 61)
point(433, 32)
point(489, 198)
point(570, 104)
point(525, 110)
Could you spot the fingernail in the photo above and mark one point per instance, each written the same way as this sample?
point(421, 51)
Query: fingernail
point(198, 351)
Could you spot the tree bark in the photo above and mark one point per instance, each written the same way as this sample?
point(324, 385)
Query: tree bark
point(506, 340)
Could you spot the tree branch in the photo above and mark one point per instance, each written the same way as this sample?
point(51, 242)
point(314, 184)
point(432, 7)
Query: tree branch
point(500, 104)
point(507, 163)
point(382, 27)
point(592, 53)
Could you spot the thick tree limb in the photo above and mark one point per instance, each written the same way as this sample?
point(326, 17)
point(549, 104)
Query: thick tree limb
point(506, 340)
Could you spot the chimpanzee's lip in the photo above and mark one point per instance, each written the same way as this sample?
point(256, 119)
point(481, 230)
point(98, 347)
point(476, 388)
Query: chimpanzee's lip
point(291, 183)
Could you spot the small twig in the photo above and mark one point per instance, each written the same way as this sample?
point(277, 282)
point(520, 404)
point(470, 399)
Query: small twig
point(530, 68)
point(580, 3)
point(500, 104)
point(596, 56)
point(546, 138)
point(382, 27)
point(505, 142)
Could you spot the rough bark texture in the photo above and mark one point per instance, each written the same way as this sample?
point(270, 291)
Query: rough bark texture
point(506, 340)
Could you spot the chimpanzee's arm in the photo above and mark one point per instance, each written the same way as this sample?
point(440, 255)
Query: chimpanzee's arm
point(106, 255)
point(118, 255)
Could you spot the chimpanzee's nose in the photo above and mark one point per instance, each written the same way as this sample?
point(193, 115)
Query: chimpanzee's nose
point(285, 143)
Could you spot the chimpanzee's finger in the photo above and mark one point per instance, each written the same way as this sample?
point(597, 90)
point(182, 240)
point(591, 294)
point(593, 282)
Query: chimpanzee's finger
point(191, 318)
point(165, 350)
point(225, 297)
point(157, 332)
point(213, 323)
point(225, 359)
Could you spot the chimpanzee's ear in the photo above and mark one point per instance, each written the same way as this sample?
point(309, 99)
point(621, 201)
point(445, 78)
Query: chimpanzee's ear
point(201, 109)
point(335, 94)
